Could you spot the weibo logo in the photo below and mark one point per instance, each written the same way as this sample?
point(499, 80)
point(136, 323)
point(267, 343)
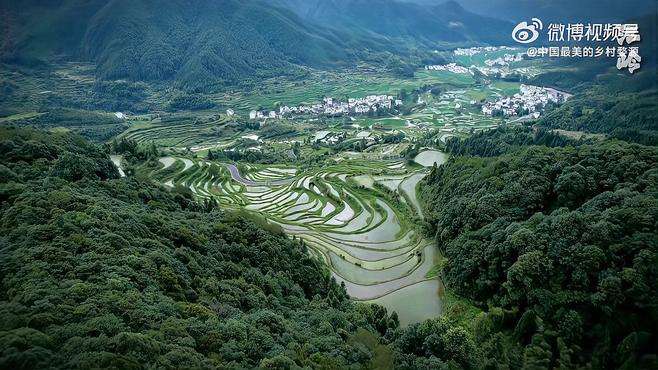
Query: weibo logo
point(525, 33)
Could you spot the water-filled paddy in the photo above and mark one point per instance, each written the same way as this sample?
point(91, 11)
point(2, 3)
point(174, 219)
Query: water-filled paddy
point(369, 244)
point(428, 158)
point(412, 303)
point(408, 186)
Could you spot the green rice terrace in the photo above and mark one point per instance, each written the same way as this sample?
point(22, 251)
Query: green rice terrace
point(345, 184)
point(359, 217)
point(441, 103)
point(309, 184)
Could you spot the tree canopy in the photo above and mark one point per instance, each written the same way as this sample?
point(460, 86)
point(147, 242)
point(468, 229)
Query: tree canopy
point(103, 272)
point(560, 244)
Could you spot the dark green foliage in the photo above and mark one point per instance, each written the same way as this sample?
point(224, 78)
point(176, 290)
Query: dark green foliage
point(435, 343)
point(189, 102)
point(210, 42)
point(504, 140)
point(394, 138)
point(135, 153)
point(565, 240)
point(120, 96)
point(400, 20)
point(623, 109)
point(205, 45)
point(277, 130)
point(92, 125)
point(99, 272)
point(197, 45)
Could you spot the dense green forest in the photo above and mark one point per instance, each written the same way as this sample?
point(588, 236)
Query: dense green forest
point(559, 245)
point(213, 42)
point(217, 43)
point(507, 139)
point(555, 241)
point(612, 105)
point(99, 272)
point(401, 21)
point(547, 229)
point(102, 272)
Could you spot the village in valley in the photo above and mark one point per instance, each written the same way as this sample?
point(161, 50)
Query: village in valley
point(344, 152)
point(463, 95)
point(529, 100)
point(334, 107)
point(477, 98)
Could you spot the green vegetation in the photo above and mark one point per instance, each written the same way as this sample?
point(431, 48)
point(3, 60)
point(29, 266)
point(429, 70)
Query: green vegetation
point(559, 243)
point(364, 233)
point(107, 273)
point(421, 235)
point(507, 139)
point(99, 272)
point(195, 46)
point(211, 45)
point(189, 102)
point(613, 106)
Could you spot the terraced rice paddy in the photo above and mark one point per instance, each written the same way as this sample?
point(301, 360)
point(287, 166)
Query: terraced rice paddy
point(181, 133)
point(428, 158)
point(368, 240)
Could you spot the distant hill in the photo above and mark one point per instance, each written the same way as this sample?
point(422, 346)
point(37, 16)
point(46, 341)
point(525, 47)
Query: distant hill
point(444, 23)
point(191, 42)
point(555, 10)
point(201, 43)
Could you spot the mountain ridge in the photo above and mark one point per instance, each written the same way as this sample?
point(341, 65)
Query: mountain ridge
point(430, 25)
point(203, 43)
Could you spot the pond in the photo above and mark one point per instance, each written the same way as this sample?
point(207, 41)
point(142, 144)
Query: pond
point(414, 303)
point(429, 157)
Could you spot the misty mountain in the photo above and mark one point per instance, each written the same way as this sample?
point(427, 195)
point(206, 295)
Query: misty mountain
point(443, 23)
point(193, 42)
point(198, 43)
point(556, 10)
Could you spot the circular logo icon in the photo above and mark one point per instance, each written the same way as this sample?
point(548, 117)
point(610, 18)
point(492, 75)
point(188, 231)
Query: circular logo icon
point(525, 33)
point(532, 52)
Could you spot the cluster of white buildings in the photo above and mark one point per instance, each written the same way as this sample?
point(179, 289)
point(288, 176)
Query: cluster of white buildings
point(450, 67)
point(505, 60)
point(334, 107)
point(480, 49)
point(530, 100)
point(262, 114)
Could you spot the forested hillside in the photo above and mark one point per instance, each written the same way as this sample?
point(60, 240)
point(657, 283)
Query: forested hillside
point(193, 45)
point(402, 22)
point(106, 272)
point(205, 44)
point(623, 110)
point(557, 246)
point(505, 140)
point(561, 245)
point(100, 272)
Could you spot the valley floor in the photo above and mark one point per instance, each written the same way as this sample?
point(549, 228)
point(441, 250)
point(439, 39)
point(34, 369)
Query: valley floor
point(359, 217)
